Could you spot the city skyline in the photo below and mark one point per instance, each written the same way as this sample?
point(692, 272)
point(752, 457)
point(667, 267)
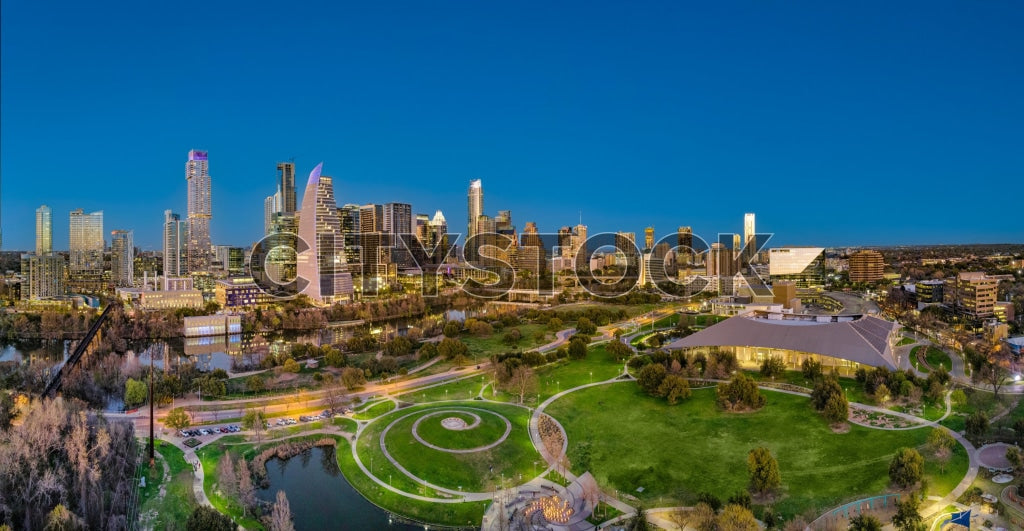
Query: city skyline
point(662, 118)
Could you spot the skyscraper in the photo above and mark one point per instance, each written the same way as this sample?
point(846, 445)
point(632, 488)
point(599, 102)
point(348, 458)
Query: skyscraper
point(749, 236)
point(44, 231)
point(684, 239)
point(86, 242)
point(476, 206)
point(200, 211)
point(286, 187)
point(175, 238)
point(122, 258)
point(322, 264)
point(398, 219)
point(648, 238)
point(44, 276)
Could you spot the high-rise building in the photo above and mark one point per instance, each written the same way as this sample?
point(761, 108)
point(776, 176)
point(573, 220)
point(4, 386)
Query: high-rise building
point(720, 268)
point(804, 265)
point(322, 264)
point(398, 219)
point(200, 211)
point(86, 249)
point(866, 266)
point(271, 209)
point(684, 241)
point(286, 187)
point(175, 238)
point(972, 294)
point(349, 218)
point(648, 238)
point(122, 258)
point(44, 276)
point(44, 231)
point(475, 203)
point(371, 218)
point(749, 236)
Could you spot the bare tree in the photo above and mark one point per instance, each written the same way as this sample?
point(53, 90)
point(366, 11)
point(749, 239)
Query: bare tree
point(523, 381)
point(227, 479)
point(334, 397)
point(281, 516)
point(246, 490)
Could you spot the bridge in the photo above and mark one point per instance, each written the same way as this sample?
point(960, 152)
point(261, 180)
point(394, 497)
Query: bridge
point(84, 347)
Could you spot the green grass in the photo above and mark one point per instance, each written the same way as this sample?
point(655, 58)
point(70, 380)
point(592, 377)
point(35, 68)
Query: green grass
point(854, 391)
point(474, 472)
point(490, 429)
point(374, 411)
point(667, 321)
point(602, 513)
point(346, 424)
point(566, 374)
point(467, 514)
point(464, 389)
point(485, 346)
point(177, 503)
point(289, 431)
point(936, 357)
point(675, 452)
point(906, 341)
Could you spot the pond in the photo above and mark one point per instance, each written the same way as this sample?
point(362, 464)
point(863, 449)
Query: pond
point(320, 497)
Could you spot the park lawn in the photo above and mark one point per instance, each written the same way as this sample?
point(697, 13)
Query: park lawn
point(173, 509)
point(906, 341)
point(490, 429)
point(373, 411)
point(675, 452)
point(462, 389)
point(289, 431)
point(453, 514)
point(346, 424)
point(473, 472)
point(483, 347)
point(936, 357)
point(668, 321)
point(854, 390)
point(566, 374)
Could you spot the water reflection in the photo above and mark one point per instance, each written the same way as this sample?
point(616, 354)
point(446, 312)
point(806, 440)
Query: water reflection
point(320, 497)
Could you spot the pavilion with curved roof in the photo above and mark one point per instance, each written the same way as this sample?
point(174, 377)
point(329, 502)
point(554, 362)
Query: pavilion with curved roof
point(840, 342)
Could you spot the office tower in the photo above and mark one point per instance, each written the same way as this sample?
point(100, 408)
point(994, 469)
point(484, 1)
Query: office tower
point(531, 255)
point(648, 238)
point(200, 211)
point(579, 247)
point(804, 265)
point(565, 242)
point(749, 236)
point(371, 218)
point(271, 209)
point(322, 265)
point(720, 268)
point(286, 187)
point(122, 258)
point(175, 240)
point(737, 246)
point(503, 222)
point(44, 231)
point(86, 249)
point(475, 205)
point(422, 223)
point(866, 266)
point(44, 276)
point(349, 219)
point(684, 241)
point(972, 294)
point(398, 219)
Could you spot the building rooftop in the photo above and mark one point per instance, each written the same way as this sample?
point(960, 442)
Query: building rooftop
point(862, 339)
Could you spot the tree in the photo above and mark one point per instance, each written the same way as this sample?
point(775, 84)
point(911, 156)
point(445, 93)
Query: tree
point(177, 419)
point(702, 517)
point(673, 387)
point(638, 522)
point(882, 394)
point(906, 468)
point(333, 395)
point(737, 518)
point(281, 515)
point(1014, 456)
point(227, 480)
point(61, 519)
point(554, 324)
point(741, 498)
point(205, 518)
point(585, 326)
point(336, 358)
point(427, 351)
point(976, 424)
point(941, 443)
point(523, 381)
point(290, 365)
point(773, 367)
point(619, 350)
point(740, 393)
point(254, 419)
point(907, 517)
point(650, 377)
point(577, 348)
point(255, 384)
point(996, 365)
point(811, 368)
point(958, 398)
point(246, 489)
point(837, 409)
point(135, 392)
point(763, 470)
point(8, 410)
point(451, 348)
point(211, 386)
point(352, 377)
point(512, 337)
point(865, 522)
point(452, 329)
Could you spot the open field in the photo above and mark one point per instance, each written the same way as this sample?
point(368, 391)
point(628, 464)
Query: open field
point(675, 452)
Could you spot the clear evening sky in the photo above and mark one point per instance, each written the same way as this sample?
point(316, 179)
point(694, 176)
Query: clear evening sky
point(855, 123)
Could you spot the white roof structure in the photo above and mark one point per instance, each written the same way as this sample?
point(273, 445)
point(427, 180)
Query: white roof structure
point(864, 339)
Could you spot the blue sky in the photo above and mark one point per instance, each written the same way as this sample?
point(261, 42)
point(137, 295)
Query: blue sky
point(837, 124)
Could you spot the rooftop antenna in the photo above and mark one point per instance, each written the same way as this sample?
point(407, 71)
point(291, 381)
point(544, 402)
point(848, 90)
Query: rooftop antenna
point(581, 216)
